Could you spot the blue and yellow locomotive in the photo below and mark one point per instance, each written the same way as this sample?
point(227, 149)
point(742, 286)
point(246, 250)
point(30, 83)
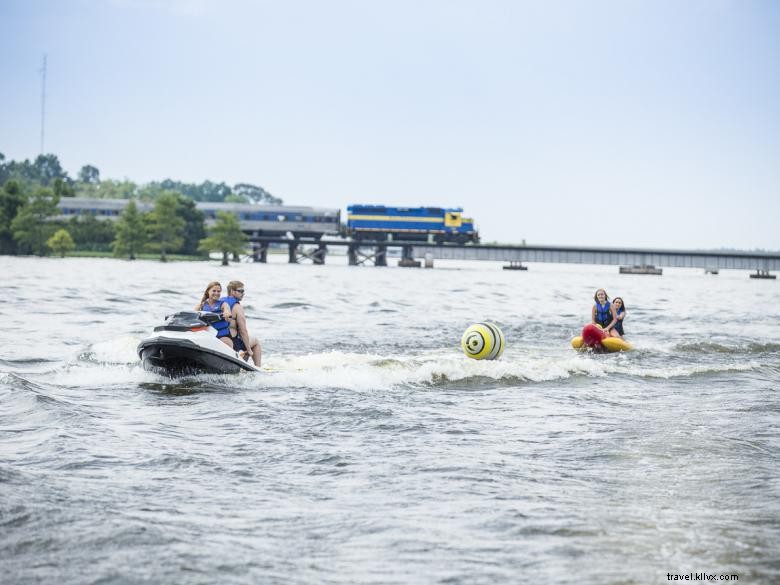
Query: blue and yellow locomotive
point(431, 224)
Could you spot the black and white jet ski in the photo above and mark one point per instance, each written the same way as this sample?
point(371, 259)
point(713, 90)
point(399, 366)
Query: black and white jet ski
point(187, 344)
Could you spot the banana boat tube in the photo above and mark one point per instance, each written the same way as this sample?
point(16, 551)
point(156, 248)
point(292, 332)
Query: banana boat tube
point(595, 338)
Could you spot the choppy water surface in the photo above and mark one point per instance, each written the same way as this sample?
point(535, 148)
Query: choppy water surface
point(371, 450)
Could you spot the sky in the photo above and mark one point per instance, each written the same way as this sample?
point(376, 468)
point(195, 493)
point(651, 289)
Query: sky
point(622, 123)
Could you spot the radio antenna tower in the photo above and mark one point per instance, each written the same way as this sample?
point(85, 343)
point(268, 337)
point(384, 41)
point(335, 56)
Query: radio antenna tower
point(43, 100)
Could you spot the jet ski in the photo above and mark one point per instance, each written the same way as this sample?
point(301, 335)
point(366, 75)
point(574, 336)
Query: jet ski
point(187, 344)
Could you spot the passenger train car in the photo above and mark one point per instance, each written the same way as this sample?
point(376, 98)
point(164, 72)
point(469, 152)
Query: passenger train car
point(100, 208)
point(437, 224)
point(257, 220)
point(278, 220)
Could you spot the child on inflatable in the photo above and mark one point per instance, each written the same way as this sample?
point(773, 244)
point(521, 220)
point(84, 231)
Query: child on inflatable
point(619, 308)
point(608, 316)
point(604, 332)
point(602, 313)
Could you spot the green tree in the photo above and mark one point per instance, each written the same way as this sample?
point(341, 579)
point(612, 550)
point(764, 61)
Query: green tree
point(166, 227)
point(225, 236)
point(194, 225)
point(61, 242)
point(233, 198)
point(255, 194)
point(12, 199)
point(109, 189)
point(206, 191)
point(23, 173)
point(89, 174)
point(131, 234)
point(32, 226)
point(63, 188)
point(47, 168)
point(91, 233)
point(4, 173)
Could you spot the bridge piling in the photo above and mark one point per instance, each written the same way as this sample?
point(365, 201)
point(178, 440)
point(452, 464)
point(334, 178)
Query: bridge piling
point(381, 256)
point(260, 252)
point(318, 257)
point(357, 257)
point(296, 253)
point(352, 255)
point(407, 258)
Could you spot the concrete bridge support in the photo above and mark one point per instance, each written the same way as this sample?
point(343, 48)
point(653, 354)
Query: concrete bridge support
point(407, 258)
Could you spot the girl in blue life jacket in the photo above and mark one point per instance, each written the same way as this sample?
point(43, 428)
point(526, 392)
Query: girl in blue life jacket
point(620, 313)
point(210, 302)
point(603, 313)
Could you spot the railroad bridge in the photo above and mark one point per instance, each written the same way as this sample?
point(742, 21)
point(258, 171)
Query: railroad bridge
point(631, 260)
point(306, 227)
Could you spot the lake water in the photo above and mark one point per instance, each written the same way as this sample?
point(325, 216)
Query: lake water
point(371, 450)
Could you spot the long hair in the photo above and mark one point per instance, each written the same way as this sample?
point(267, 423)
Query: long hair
point(596, 295)
point(206, 292)
point(622, 303)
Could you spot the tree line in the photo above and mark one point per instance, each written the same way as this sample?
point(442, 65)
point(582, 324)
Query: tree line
point(31, 190)
point(47, 171)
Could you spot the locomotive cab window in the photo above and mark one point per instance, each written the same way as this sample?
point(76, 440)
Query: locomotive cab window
point(452, 219)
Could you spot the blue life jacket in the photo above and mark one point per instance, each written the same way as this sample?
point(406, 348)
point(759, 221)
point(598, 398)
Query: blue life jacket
point(619, 323)
point(603, 314)
point(222, 326)
point(231, 301)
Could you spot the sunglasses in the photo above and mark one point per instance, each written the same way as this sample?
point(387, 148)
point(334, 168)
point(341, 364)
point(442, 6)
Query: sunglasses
point(241, 290)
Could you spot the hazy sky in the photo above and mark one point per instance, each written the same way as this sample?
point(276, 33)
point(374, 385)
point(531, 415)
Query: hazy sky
point(612, 123)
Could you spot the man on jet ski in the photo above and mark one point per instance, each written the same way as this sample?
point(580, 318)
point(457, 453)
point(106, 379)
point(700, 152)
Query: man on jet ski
point(239, 333)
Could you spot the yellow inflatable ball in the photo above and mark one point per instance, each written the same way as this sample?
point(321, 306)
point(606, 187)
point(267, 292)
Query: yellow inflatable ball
point(483, 341)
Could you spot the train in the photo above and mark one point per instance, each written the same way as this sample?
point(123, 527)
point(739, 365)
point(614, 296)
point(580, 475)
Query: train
point(364, 222)
point(256, 220)
point(430, 224)
point(279, 220)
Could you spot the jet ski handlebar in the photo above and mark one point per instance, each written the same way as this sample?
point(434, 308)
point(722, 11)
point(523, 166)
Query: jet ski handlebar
point(188, 320)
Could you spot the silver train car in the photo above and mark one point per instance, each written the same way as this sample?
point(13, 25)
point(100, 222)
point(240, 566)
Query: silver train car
point(255, 220)
point(278, 220)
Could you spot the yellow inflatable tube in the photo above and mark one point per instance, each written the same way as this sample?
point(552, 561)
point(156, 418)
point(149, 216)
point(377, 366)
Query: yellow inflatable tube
point(608, 344)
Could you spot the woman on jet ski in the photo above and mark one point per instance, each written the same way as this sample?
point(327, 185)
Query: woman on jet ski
point(210, 302)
